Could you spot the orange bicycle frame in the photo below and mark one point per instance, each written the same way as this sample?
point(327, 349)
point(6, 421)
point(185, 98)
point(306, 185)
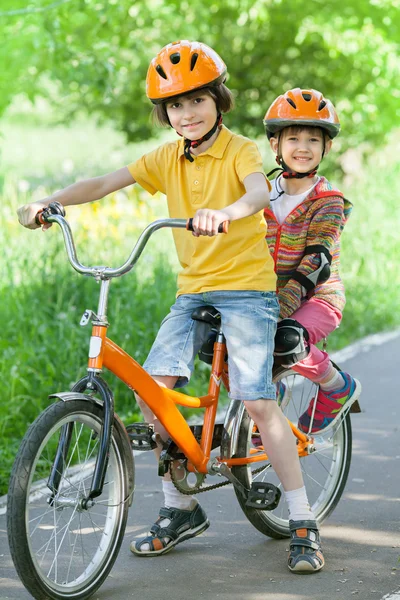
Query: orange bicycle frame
point(163, 401)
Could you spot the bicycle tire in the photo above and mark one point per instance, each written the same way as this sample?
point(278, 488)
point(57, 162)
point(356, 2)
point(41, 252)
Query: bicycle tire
point(60, 549)
point(325, 471)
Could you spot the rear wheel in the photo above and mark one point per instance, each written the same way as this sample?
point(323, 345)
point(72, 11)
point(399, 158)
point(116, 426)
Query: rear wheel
point(62, 548)
point(325, 471)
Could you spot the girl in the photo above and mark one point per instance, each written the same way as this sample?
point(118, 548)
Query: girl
point(304, 224)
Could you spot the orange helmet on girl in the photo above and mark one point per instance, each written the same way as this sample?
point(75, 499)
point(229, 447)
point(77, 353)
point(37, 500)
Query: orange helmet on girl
point(302, 107)
point(182, 67)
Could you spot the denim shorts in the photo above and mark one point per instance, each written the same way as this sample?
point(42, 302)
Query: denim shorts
point(248, 322)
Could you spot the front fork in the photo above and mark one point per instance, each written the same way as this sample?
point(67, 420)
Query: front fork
point(93, 383)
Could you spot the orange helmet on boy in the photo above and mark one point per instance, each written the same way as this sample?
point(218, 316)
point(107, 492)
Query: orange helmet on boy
point(302, 107)
point(182, 67)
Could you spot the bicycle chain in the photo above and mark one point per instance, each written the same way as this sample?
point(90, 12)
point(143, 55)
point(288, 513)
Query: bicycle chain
point(209, 487)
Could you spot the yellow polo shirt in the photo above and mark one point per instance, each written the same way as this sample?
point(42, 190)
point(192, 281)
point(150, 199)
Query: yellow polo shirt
point(239, 260)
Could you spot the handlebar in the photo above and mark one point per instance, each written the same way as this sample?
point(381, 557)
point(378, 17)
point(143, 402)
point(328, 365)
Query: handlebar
point(55, 213)
point(222, 227)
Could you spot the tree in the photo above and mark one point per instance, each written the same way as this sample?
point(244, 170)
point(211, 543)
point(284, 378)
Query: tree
point(97, 53)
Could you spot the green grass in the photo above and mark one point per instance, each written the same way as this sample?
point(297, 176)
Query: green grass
point(370, 248)
point(42, 298)
point(43, 349)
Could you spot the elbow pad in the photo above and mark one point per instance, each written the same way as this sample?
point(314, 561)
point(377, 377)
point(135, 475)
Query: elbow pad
point(320, 275)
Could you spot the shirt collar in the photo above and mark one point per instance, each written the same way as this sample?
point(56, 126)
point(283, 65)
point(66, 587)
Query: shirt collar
point(216, 150)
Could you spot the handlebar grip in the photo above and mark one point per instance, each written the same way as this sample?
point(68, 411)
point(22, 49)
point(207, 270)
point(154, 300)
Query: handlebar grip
point(54, 208)
point(39, 218)
point(222, 227)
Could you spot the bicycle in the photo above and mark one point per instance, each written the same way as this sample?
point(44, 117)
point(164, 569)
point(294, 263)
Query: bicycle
point(72, 481)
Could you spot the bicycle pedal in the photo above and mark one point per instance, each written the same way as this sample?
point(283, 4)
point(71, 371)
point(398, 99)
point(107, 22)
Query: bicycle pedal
point(263, 496)
point(141, 436)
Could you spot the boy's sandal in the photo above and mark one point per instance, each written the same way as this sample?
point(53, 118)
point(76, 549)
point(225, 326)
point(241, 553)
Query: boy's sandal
point(305, 552)
point(172, 527)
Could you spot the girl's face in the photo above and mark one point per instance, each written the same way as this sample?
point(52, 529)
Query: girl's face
point(301, 148)
point(192, 116)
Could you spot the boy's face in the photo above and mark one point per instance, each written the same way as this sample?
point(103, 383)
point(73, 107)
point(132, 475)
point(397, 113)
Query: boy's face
point(192, 115)
point(301, 147)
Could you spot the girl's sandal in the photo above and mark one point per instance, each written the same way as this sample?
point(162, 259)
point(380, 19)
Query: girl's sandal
point(305, 552)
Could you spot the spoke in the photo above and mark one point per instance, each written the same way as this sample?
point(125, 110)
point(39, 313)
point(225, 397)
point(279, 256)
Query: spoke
point(69, 479)
point(41, 517)
point(72, 556)
point(67, 466)
point(311, 478)
point(46, 544)
point(73, 549)
point(57, 550)
point(72, 453)
point(96, 528)
point(98, 514)
point(322, 465)
point(55, 543)
point(82, 549)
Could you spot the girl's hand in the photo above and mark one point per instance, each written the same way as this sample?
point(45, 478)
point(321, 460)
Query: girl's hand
point(27, 213)
point(206, 221)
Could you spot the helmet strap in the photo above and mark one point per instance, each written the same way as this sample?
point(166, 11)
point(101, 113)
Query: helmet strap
point(288, 174)
point(188, 144)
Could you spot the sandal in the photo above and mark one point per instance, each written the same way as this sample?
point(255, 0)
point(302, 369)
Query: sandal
point(305, 552)
point(172, 527)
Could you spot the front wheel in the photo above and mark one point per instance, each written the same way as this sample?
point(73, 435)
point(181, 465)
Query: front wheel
point(61, 547)
point(325, 471)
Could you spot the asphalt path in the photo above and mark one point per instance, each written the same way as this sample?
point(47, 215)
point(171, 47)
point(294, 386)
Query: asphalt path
point(232, 560)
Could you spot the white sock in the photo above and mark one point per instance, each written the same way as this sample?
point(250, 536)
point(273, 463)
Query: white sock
point(336, 382)
point(299, 508)
point(174, 499)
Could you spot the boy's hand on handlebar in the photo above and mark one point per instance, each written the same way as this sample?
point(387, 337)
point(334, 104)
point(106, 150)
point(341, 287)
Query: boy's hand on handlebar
point(27, 215)
point(206, 221)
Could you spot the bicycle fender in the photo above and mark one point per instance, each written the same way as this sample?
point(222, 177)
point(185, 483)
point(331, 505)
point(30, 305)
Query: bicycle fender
point(231, 430)
point(68, 396)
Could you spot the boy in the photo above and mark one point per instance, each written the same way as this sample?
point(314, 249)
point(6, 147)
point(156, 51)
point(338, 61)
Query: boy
point(218, 176)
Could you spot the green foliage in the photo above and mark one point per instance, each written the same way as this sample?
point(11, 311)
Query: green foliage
point(371, 250)
point(42, 347)
point(95, 55)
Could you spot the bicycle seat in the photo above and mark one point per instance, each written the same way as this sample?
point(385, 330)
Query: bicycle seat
point(207, 314)
point(212, 320)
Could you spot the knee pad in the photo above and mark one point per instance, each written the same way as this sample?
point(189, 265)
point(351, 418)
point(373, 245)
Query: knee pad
point(291, 343)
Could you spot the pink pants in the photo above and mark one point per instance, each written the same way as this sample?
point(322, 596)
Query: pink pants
point(320, 319)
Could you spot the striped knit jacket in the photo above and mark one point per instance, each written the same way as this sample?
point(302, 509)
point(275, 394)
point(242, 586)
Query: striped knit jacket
point(319, 219)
